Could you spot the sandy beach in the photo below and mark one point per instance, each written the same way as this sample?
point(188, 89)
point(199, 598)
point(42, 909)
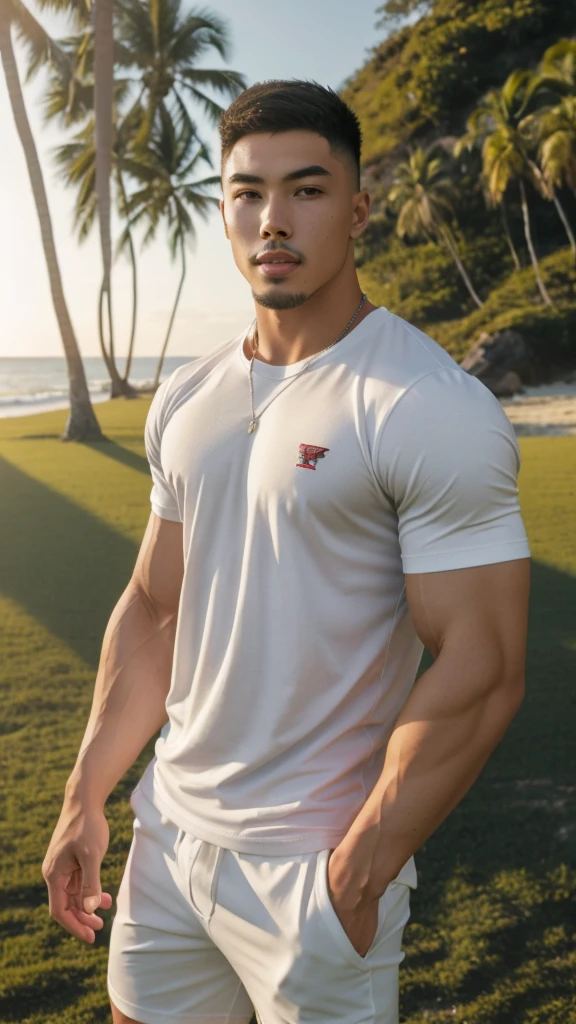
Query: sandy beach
point(546, 410)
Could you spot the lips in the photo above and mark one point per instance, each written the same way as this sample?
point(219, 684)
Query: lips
point(277, 264)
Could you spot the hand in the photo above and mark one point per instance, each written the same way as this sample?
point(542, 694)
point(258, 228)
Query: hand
point(71, 870)
point(357, 913)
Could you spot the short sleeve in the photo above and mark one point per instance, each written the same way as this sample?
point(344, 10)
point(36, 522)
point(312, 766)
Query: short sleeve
point(163, 498)
point(448, 459)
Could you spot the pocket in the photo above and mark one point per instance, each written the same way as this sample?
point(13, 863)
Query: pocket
point(150, 821)
point(332, 921)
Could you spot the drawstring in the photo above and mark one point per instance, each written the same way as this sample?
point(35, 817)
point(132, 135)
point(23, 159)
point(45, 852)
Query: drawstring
point(177, 844)
point(188, 869)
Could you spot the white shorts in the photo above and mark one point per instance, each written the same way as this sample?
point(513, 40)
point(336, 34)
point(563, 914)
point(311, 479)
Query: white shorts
point(205, 935)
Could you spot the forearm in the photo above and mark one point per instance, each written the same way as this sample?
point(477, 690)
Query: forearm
point(440, 743)
point(129, 703)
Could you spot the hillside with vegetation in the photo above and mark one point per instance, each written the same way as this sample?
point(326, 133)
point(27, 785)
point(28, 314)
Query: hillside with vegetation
point(469, 123)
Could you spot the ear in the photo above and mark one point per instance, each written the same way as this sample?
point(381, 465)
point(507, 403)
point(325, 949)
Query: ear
point(221, 205)
point(361, 204)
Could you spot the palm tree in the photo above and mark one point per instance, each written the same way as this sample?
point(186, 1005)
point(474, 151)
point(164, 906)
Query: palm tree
point(163, 46)
point(166, 170)
point(423, 194)
point(505, 153)
point(81, 424)
point(552, 126)
point(553, 130)
point(558, 143)
point(78, 162)
point(75, 96)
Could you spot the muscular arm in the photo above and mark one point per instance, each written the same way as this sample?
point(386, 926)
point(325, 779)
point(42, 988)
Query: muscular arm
point(134, 673)
point(474, 622)
point(128, 707)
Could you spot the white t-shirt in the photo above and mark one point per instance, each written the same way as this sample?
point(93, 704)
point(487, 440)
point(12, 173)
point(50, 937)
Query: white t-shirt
point(294, 649)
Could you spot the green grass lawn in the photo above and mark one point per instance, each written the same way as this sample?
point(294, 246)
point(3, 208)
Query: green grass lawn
point(491, 940)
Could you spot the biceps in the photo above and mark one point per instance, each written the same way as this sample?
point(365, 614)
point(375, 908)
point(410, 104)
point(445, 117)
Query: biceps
point(478, 613)
point(159, 568)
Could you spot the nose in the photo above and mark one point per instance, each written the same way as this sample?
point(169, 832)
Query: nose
point(274, 222)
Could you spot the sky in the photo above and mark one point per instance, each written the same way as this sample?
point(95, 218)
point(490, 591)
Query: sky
point(320, 40)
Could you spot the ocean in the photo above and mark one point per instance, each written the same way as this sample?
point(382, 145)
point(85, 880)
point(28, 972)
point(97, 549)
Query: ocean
point(39, 385)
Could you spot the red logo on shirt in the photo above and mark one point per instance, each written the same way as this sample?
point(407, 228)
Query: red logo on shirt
point(308, 455)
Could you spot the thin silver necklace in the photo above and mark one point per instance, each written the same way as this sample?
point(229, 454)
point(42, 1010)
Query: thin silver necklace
point(255, 418)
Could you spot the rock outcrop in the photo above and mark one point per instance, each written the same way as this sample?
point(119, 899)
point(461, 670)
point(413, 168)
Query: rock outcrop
point(503, 362)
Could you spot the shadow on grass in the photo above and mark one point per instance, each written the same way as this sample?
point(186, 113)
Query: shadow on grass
point(492, 886)
point(28, 896)
point(65, 567)
point(53, 992)
point(526, 796)
point(106, 447)
point(497, 881)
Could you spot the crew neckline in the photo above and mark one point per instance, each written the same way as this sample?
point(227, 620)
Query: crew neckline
point(275, 372)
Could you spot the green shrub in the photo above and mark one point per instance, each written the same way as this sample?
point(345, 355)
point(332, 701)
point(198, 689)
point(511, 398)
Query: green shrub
point(515, 303)
point(427, 77)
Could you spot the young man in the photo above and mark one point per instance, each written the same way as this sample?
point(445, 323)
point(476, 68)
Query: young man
point(330, 493)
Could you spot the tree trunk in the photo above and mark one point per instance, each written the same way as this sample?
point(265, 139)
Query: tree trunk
point(511, 246)
point(82, 424)
point(529, 243)
point(566, 223)
point(117, 383)
point(453, 250)
point(103, 140)
point(174, 308)
point(134, 283)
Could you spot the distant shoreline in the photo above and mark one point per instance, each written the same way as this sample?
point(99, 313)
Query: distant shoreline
point(547, 410)
point(29, 386)
point(31, 408)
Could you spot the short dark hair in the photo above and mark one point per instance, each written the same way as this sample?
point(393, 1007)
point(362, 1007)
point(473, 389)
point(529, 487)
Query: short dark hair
point(281, 106)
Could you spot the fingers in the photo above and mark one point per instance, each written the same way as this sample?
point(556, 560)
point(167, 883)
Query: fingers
point(91, 921)
point(91, 903)
point(91, 891)
point(66, 910)
point(71, 870)
point(67, 915)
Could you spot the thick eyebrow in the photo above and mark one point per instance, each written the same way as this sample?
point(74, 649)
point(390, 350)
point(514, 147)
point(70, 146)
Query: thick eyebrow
point(314, 170)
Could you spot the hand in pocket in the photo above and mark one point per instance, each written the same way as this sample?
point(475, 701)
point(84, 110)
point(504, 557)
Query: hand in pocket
point(357, 914)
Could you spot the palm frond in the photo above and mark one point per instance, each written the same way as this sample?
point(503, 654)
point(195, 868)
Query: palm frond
point(230, 83)
point(85, 218)
point(40, 47)
point(206, 31)
point(515, 91)
point(81, 11)
point(559, 63)
point(558, 158)
point(212, 109)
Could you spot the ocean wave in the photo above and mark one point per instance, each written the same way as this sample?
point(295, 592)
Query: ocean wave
point(52, 395)
point(98, 385)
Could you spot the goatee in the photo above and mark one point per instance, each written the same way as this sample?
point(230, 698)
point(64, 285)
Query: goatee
point(280, 301)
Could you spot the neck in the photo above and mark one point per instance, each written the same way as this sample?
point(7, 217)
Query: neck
point(286, 336)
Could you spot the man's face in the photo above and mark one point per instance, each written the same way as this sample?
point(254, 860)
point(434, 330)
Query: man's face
point(291, 210)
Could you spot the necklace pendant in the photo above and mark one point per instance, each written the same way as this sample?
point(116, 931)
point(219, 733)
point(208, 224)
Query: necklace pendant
point(252, 427)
